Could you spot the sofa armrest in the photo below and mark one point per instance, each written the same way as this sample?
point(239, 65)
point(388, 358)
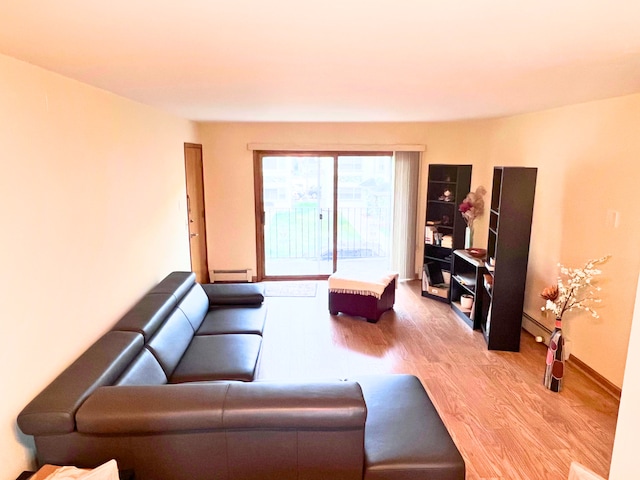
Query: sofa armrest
point(234, 293)
point(53, 411)
point(143, 409)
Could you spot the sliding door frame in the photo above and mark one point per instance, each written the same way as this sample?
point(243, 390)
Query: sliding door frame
point(258, 155)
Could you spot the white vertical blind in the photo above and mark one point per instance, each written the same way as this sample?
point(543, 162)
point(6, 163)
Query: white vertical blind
point(405, 204)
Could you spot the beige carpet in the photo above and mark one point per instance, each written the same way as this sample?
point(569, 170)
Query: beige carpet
point(290, 289)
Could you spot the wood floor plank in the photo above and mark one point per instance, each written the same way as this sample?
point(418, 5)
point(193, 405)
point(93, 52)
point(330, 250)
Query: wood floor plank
point(503, 420)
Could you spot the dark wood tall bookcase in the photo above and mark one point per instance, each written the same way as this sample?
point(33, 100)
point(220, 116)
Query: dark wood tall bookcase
point(447, 187)
point(511, 212)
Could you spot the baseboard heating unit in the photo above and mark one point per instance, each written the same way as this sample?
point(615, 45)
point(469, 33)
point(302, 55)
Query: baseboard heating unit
point(234, 275)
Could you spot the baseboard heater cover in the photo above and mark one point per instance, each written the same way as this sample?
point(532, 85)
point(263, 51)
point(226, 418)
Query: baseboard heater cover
point(233, 275)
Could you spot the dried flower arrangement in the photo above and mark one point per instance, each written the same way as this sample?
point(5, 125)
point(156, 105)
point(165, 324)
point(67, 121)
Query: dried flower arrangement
point(473, 205)
point(574, 290)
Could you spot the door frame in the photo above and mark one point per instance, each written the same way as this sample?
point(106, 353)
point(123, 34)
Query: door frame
point(199, 192)
point(260, 214)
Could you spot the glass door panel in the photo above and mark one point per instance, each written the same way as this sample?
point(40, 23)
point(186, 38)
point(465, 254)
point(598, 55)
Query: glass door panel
point(365, 197)
point(298, 215)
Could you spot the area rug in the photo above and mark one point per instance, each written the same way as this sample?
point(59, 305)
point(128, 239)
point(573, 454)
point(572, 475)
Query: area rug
point(290, 289)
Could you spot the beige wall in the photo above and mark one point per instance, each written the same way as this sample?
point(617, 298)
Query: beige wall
point(228, 168)
point(93, 213)
point(586, 157)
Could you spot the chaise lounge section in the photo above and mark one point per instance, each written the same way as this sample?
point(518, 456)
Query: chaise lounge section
point(168, 393)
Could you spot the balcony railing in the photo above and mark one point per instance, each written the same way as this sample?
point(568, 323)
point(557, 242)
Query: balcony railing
point(307, 233)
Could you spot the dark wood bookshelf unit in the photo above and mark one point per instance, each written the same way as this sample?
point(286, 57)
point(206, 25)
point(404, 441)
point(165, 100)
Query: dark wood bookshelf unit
point(444, 226)
point(510, 216)
point(467, 279)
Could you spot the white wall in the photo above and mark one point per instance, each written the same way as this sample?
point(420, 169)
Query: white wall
point(92, 206)
point(624, 462)
point(587, 159)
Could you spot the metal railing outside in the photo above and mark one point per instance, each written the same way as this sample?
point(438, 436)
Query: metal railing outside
point(307, 233)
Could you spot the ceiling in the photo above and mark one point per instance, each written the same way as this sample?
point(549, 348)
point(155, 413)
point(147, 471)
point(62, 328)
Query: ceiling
point(335, 60)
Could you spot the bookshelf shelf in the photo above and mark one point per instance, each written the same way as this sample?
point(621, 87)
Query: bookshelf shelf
point(444, 226)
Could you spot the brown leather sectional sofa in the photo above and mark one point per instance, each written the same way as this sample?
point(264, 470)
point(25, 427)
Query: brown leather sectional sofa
point(168, 393)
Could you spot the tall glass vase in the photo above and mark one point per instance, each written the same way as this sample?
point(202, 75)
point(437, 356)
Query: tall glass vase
point(554, 372)
point(468, 237)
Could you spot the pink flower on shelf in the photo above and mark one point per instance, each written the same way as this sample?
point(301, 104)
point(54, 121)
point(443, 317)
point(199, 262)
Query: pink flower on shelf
point(465, 207)
point(473, 205)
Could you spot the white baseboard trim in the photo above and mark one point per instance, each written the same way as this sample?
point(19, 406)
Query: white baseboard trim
point(535, 328)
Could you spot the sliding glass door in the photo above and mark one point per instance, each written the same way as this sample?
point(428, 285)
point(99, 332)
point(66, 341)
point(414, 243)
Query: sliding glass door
point(364, 201)
point(321, 212)
point(297, 198)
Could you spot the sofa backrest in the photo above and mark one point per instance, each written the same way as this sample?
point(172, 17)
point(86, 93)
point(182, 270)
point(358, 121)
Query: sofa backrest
point(195, 305)
point(53, 410)
point(144, 370)
point(167, 316)
point(171, 341)
point(149, 313)
point(247, 430)
point(176, 283)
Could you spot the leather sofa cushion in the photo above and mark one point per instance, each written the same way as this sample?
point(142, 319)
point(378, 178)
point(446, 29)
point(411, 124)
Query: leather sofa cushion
point(147, 315)
point(144, 370)
point(171, 341)
point(248, 319)
point(405, 433)
point(234, 293)
point(219, 357)
point(53, 410)
point(194, 305)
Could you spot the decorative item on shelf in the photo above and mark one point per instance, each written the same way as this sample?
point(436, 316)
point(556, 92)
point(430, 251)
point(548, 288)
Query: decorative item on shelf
point(575, 290)
point(471, 208)
point(468, 237)
point(447, 196)
point(477, 252)
point(466, 301)
point(437, 239)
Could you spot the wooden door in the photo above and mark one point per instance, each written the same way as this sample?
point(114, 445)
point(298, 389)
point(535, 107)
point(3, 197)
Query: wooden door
point(195, 209)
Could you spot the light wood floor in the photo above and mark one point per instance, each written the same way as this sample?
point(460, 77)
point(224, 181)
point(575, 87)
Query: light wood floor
point(505, 423)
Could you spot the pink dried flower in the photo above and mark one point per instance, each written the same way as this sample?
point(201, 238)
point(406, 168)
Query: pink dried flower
point(464, 206)
point(473, 205)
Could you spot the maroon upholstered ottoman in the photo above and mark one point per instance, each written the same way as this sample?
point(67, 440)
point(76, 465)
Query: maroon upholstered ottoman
point(362, 295)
